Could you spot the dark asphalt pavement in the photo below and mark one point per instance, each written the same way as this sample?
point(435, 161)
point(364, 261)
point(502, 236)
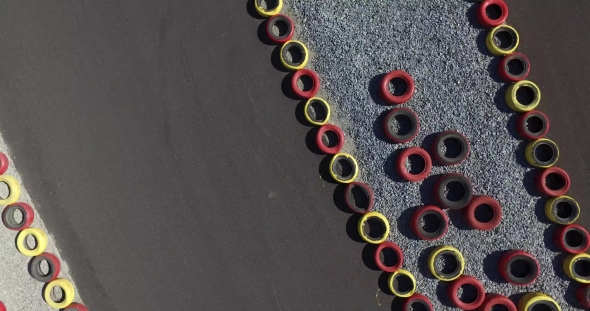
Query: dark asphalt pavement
point(172, 171)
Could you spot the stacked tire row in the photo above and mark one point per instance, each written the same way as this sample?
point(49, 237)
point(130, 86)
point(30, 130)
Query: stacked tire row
point(22, 224)
point(523, 96)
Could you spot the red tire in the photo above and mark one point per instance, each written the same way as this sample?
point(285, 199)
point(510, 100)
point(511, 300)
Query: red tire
point(532, 125)
point(518, 267)
point(514, 67)
point(438, 229)
point(323, 144)
point(401, 164)
point(52, 262)
point(76, 306)
point(394, 99)
point(463, 280)
point(422, 300)
point(8, 216)
point(3, 163)
point(314, 88)
point(553, 181)
point(398, 254)
point(572, 239)
point(395, 136)
point(361, 201)
point(2, 306)
point(485, 20)
point(278, 39)
point(470, 213)
point(583, 295)
point(493, 300)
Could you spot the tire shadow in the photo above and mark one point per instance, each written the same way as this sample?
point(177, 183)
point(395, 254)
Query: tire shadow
point(275, 59)
point(540, 210)
point(368, 257)
point(261, 33)
point(549, 240)
point(528, 181)
point(324, 170)
point(389, 167)
point(511, 126)
point(557, 264)
point(382, 282)
point(471, 15)
point(404, 223)
point(352, 228)
point(378, 130)
point(310, 141)
point(300, 113)
point(456, 218)
point(427, 190)
point(490, 267)
point(252, 11)
point(500, 99)
point(441, 294)
point(374, 90)
point(493, 69)
point(286, 87)
point(339, 193)
point(519, 154)
point(423, 258)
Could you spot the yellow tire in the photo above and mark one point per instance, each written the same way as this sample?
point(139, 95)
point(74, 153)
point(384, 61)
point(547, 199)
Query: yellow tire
point(512, 100)
point(531, 300)
point(40, 237)
point(337, 168)
point(67, 290)
point(577, 267)
point(310, 113)
point(268, 13)
point(446, 250)
point(365, 234)
point(497, 50)
point(302, 49)
point(13, 188)
point(405, 285)
point(550, 153)
point(562, 210)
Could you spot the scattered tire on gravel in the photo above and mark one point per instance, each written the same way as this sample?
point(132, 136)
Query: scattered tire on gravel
point(493, 301)
point(453, 191)
point(403, 85)
point(471, 287)
point(450, 148)
point(429, 223)
point(401, 125)
point(446, 263)
point(418, 302)
point(483, 213)
point(537, 301)
point(419, 166)
point(518, 267)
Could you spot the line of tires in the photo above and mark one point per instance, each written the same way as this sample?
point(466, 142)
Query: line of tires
point(19, 216)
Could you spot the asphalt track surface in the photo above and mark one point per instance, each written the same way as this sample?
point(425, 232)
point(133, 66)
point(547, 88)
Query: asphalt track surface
point(173, 172)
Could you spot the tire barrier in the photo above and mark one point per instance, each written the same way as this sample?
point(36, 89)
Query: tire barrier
point(573, 239)
point(373, 228)
point(518, 267)
point(458, 196)
point(53, 264)
point(483, 213)
point(485, 12)
point(302, 55)
point(76, 307)
point(268, 12)
point(28, 215)
point(446, 263)
point(562, 210)
point(276, 21)
point(329, 139)
point(393, 125)
point(67, 292)
point(4, 162)
point(13, 188)
point(316, 111)
point(577, 267)
point(40, 238)
point(445, 146)
point(408, 174)
point(389, 257)
point(537, 301)
point(358, 197)
point(418, 302)
point(541, 153)
point(553, 181)
point(343, 168)
point(402, 283)
point(315, 81)
point(492, 301)
point(502, 40)
point(523, 96)
point(407, 84)
point(583, 295)
point(429, 223)
point(532, 125)
point(470, 304)
point(514, 67)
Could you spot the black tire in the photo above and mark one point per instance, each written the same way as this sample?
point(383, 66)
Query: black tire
point(464, 197)
point(448, 159)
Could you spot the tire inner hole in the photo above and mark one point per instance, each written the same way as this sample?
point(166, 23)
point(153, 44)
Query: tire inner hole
point(525, 95)
point(280, 28)
point(330, 139)
point(493, 11)
point(294, 55)
point(541, 307)
point(267, 5)
point(57, 294)
point(452, 147)
point(447, 264)
point(374, 228)
point(305, 83)
point(388, 257)
point(359, 197)
point(398, 86)
point(402, 283)
point(401, 125)
point(430, 223)
point(484, 213)
point(544, 152)
point(520, 268)
point(565, 210)
point(574, 238)
point(4, 190)
point(516, 66)
point(30, 242)
point(468, 293)
point(454, 191)
point(499, 308)
point(415, 164)
point(17, 216)
point(534, 124)
point(317, 111)
point(503, 39)
point(343, 168)
point(582, 267)
point(43, 268)
point(418, 306)
point(555, 181)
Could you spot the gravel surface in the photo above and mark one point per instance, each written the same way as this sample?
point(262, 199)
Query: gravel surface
point(18, 290)
point(352, 43)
